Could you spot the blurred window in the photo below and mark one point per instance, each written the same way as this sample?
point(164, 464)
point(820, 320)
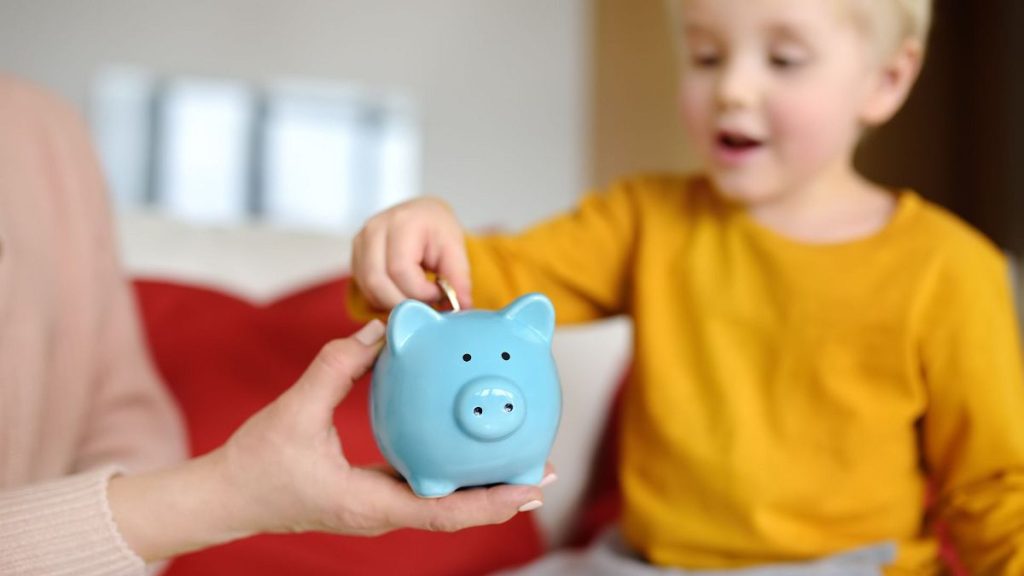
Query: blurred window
point(300, 154)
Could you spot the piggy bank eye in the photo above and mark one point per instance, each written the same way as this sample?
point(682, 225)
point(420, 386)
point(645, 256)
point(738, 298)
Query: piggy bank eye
point(505, 356)
point(466, 357)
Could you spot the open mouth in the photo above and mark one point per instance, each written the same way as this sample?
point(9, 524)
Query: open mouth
point(736, 142)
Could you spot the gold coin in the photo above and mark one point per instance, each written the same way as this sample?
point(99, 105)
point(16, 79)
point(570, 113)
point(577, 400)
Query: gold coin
point(449, 293)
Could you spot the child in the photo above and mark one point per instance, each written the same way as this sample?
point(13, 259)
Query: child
point(813, 352)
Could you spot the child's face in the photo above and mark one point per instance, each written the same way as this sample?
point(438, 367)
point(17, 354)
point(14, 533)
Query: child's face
point(774, 92)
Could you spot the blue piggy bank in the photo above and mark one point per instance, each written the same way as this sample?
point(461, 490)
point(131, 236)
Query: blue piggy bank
point(467, 398)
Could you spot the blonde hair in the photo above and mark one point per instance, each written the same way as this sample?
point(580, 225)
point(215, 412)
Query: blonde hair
point(891, 22)
point(916, 16)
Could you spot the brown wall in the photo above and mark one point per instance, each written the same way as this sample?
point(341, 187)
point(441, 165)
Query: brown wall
point(960, 139)
point(635, 124)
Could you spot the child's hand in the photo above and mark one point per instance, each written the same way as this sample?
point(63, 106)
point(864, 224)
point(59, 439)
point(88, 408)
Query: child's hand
point(284, 470)
point(395, 247)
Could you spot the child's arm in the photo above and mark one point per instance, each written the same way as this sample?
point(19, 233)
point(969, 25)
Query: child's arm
point(580, 260)
point(974, 426)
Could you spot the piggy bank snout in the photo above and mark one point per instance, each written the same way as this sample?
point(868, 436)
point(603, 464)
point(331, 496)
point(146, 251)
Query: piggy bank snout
point(490, 408)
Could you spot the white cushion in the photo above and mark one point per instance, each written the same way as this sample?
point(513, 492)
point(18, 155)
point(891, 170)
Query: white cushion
point(256, 262)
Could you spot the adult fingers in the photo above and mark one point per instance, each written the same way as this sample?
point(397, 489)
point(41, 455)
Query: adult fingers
point(550, 476)
point(329, 377)
point(459, 510)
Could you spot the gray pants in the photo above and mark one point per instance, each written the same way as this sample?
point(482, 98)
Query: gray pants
point(609, 556)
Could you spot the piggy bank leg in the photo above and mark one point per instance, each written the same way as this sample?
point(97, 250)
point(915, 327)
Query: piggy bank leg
point(532, 476)
point(431, 488)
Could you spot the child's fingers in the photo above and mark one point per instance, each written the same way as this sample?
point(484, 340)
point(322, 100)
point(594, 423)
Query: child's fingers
point(361, 267)
point(376, 283)
point(355, 264)
point(406, 249)
point(453, 266)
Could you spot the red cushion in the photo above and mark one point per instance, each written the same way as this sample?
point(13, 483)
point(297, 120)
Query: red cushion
point(224, 359)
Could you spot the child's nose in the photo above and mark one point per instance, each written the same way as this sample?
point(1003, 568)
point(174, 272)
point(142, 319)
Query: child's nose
point(737, 87)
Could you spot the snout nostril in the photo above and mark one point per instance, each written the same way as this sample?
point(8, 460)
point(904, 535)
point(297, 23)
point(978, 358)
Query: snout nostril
point(489, 408)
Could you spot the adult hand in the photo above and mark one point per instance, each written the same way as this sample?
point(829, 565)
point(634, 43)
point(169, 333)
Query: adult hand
point(284, 470)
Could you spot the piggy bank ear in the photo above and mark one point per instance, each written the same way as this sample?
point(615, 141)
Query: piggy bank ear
point(406, 319)
point(534, 310)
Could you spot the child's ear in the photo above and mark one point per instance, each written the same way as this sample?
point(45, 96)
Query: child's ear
point(896, 78)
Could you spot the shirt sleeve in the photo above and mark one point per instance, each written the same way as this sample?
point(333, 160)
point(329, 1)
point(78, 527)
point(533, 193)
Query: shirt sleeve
point(580, 260)
point(973, 431)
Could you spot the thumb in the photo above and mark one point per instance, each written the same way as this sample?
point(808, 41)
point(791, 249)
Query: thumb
point(340, 363)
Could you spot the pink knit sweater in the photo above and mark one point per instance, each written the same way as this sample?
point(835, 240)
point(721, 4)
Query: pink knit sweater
point(79, 398)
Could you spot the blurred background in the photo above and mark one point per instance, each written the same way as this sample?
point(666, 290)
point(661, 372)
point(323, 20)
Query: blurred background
point(245, 141)
point(312, 115)
point(219, 111)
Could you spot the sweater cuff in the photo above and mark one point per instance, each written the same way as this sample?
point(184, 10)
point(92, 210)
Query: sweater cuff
point(64, 527)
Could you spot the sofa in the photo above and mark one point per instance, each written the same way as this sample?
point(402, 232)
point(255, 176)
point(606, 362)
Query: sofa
point(233, 315)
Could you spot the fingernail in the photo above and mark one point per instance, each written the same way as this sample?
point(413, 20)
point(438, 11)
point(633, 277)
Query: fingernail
point(531, 505)
point(371, 333)
point(549, 479)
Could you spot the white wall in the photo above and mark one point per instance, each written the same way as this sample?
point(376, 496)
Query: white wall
point(500, 84)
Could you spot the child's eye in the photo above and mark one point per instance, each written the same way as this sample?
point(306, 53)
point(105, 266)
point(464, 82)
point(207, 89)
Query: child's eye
point(785, 62)
point(706, 60)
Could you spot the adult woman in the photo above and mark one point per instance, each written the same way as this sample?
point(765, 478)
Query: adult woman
point(92, 472)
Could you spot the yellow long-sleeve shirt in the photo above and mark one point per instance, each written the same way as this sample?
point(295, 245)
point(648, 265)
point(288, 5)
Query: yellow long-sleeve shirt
point(793, 400)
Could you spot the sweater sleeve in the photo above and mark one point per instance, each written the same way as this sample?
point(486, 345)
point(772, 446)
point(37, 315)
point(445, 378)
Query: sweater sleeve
point(65, 526)
point(973, 431)
point(580, 260)
point(133, 421)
